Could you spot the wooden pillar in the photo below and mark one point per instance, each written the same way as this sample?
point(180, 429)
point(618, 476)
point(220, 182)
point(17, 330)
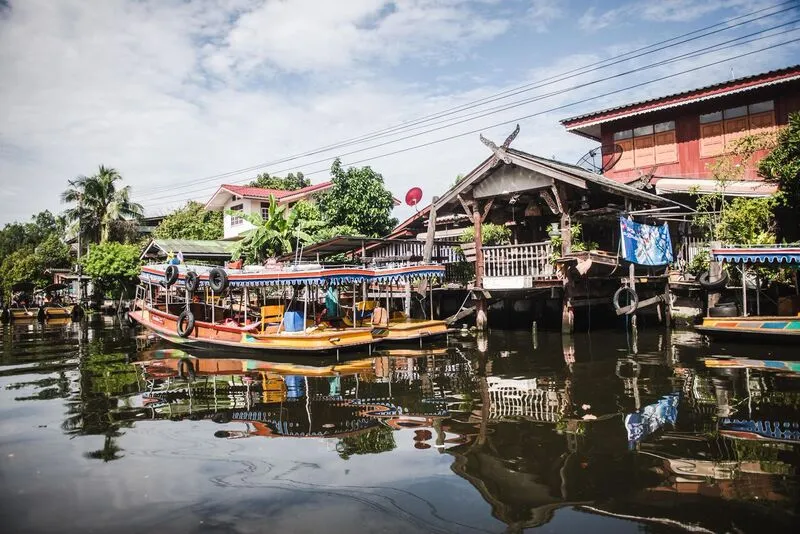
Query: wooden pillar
point(427, 252)
point(667, 306)
point(481, 316)
point(715, 273)
point(567, 311)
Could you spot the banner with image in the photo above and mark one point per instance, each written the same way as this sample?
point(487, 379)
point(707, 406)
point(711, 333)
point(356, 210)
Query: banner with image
point(644, 244)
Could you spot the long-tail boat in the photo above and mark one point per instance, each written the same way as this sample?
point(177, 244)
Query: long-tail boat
point(758, 328)
point(261, 308)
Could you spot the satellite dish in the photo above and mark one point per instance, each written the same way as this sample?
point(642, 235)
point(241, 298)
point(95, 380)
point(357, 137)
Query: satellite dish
point(413, 196)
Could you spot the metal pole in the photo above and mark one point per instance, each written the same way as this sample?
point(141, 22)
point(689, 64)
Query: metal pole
point(80, 269)
point(246, 304)
point(758, 295)
point(744, 290)
point(305, 307)
point(355, 315)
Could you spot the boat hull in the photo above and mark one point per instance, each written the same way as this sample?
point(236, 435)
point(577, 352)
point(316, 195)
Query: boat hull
point(752, 329)
point(211, 336)
point(411, 330)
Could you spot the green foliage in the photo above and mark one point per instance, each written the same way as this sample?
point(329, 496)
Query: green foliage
point(712, 207)
point(192, 221)
point(53, 253)
point(358, 199)
point(292, 182)
point(577, 242)
point(782, 165)
point(98, 201)
point(374, 441)
point(28, 250)
point(700, 262)
point(113, 266)
point(274, 235)
point(327, 232)
point(491, 234)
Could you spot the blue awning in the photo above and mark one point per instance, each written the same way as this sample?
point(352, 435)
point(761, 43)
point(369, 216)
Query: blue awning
point(787, 255)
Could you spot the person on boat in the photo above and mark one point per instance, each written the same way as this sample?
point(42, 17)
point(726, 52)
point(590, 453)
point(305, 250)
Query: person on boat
point(380, 316)
point(48, 299)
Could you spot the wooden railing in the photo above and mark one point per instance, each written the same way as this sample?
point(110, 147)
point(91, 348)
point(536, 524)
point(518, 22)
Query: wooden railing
point(412, 250)
point(530, 259)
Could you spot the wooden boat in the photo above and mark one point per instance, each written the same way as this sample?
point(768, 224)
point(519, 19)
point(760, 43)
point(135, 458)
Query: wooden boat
point(779, 329)
point(411, 329)
point(209, 323)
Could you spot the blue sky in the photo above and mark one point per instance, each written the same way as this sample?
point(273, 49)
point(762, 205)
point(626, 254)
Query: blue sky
point(173, 93)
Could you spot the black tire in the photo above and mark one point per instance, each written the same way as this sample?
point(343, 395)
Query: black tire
point(186, 369)
point(705, 281)
point(723, 311)
point(171, 274)
point(185, 323)
point(192, 281)
point(218, 280)
point(222, 417)
point(634, 299)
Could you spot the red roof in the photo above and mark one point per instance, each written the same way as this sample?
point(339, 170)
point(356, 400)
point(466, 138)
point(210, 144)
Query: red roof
point(279, 194)
point(687, 97)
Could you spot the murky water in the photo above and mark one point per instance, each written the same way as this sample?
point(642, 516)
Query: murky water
point(104, 430)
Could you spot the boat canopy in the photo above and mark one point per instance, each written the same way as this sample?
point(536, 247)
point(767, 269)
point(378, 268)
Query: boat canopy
point(301, 275)
point(758, 254)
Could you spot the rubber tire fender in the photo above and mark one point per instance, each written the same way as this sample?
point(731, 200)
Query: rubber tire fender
point(192, 281)
point(723, 311)
point(705, 282)
point(218, 280)
point(171, 274)
point(633, 295)
point(186, 369)
point(185, 323)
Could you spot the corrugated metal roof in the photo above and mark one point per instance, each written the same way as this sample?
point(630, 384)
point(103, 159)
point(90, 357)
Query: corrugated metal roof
point(193, 247)
point(792, 73)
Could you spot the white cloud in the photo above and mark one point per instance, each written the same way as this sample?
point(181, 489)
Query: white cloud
point(167, 93)
point(543, 12)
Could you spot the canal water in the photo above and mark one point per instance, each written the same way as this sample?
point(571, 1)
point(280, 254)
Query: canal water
point(103, 429)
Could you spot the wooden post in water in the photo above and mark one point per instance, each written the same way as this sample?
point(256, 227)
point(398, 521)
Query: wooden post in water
point(481, 317)
point(715, 273)
point(632, 285)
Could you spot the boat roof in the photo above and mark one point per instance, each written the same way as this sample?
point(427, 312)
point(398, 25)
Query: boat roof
point(788, 254)
point(330, 247)
point(290, 275)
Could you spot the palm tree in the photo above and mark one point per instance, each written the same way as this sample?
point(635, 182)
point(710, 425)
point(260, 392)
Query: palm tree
point(275, 234)
point(99, 203)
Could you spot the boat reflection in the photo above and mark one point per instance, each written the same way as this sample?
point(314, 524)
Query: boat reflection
point(656, 436)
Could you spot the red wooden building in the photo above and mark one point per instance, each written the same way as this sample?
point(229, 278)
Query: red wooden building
point(672, 139)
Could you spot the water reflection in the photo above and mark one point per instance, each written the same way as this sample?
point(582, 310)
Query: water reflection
point(666, 435)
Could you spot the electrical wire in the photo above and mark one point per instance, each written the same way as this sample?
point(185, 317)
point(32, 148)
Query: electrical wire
point(501, 95)
point(511, 121)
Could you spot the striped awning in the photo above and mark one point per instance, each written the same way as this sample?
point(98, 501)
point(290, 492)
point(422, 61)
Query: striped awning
point(788, 255)
point(290, 276)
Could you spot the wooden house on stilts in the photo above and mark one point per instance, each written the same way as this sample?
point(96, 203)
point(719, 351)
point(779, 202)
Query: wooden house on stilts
point(564, 224)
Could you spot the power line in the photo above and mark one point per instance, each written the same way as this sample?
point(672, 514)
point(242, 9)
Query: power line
point(483, 113)
point(563, 106)
point(725, 26)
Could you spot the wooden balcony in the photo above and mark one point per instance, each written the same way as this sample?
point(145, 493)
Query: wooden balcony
point(517, 266)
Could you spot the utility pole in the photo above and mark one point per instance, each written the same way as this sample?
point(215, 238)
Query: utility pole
point(80, 269)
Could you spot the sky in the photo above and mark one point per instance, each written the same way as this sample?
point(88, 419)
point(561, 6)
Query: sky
point(182, 96)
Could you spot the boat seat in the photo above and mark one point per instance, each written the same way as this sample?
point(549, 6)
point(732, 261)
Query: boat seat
point(272, 313)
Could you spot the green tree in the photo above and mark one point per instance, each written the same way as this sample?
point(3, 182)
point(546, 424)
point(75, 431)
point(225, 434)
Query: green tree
point(374, 441)
point(112, 266)
point(274, 235)
point(491, 234)
point(292, 182)
point(22, 265)
point(782, 166)
point(53, 253)
point(98, 202)
point(192, 221)
point(358, 199)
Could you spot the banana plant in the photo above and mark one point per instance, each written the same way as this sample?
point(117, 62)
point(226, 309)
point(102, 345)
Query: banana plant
point(273, 235)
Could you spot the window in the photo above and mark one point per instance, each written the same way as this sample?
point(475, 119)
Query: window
point(265, 210)
point(720, 130)
point(647, 145)
point(235, 219)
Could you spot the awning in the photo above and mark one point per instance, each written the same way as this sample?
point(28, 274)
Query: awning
point(740, 188)
point(766, 254)
point(190, 248)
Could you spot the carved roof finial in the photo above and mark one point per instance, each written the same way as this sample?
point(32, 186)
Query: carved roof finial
point(500, 153)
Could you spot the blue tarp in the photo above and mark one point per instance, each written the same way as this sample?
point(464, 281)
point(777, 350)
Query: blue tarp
point(652, 417)
point(644, 244)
